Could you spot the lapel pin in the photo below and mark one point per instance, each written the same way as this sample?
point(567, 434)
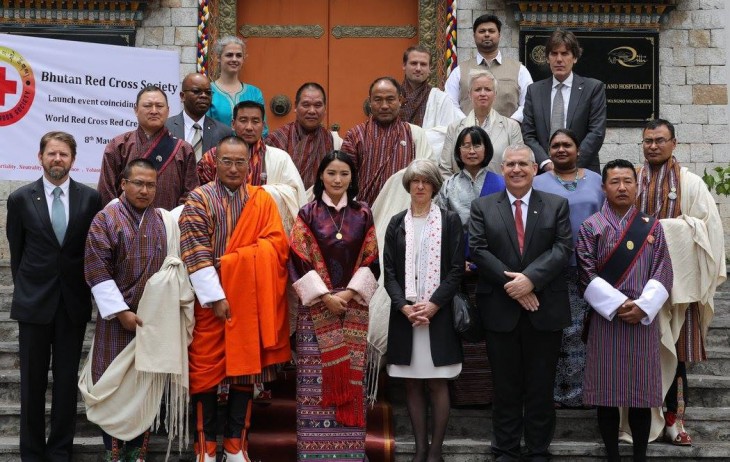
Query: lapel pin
point(402, 142)
point(37, 198)
point(646, 219)
point(630, 245)
point(159, 158)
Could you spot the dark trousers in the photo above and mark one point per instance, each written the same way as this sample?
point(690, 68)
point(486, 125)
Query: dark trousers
point(523, 369)
point(58, 344)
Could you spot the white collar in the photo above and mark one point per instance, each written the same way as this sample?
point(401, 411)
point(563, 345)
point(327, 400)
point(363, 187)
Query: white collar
point(189, 120)
point(498, 58)
point(568, 82)
point(48, 187)
point(525, 199)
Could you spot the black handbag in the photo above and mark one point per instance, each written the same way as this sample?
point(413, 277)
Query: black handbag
point(467, 322)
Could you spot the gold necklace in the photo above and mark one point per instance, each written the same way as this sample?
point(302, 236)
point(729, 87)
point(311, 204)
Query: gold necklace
point(338, 235)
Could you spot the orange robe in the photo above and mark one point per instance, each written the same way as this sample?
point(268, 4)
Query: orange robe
point(253, 276)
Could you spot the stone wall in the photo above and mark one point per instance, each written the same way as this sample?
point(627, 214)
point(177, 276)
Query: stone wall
point(693, 83)
point(171, 25)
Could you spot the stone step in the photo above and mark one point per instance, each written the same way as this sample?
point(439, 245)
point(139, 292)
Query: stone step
point(478, 450)
point(91, 449)
point(718, 334)
point(718, 362)
point(9, 327)
point(9, 359)
point(10, 421)
point(705, 424)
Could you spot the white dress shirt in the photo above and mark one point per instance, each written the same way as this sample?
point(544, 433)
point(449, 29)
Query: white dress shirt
point(48, 188)
point(189, 130)
point(523, 205)
point(567, 85)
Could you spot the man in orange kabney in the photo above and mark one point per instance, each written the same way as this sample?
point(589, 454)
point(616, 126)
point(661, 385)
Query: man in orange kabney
point(235, 249)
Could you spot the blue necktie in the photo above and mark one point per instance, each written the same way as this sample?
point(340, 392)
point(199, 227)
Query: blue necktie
point(58, 215)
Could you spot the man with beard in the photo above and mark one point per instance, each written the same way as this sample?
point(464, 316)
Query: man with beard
point(173, 158)
point(47, 224)
point(424, 105)
point(305, 139)
point(191, 124)
point(513, 77)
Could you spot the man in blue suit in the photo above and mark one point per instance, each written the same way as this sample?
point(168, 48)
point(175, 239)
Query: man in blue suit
point(565, 100)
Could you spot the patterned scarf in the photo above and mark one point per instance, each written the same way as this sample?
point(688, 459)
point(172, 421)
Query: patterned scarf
point(305, 148)
point(659, 191)
point(256, 176)
point(416, 97)
point(385, 150)
point(342, 341)
point(428, 266)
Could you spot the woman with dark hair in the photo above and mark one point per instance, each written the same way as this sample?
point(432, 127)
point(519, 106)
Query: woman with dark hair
point(334, 266)
point(472, 153)
point(582, 188)
point(423, 264)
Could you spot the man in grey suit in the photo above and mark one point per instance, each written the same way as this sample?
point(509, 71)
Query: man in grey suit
point(48, 221)
point(191, 124)
point(520, 240)
point(565, 100)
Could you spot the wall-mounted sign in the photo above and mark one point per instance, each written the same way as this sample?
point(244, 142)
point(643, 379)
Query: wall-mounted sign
point(627, 62)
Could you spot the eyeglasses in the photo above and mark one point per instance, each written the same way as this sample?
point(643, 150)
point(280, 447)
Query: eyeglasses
point(513, 164)
point(469, 147)
point(228, 163)
point(658, 141)
point(141, 184)
point(198, 92)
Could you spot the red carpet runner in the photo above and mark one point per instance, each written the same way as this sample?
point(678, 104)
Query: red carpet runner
point(273, 436)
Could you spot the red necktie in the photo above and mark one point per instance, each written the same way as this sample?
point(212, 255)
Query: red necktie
point(519, 225)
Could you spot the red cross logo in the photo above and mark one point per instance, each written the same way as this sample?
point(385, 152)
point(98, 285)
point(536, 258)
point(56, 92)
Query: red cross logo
point(7, 87)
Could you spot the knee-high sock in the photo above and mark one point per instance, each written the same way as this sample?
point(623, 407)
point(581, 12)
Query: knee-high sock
point(640, 423)
point(608, 423)
point(205, 409)
point(678, 390)
point(240, 398)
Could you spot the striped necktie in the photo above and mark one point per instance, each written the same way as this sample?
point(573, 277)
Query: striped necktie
point(198, 141)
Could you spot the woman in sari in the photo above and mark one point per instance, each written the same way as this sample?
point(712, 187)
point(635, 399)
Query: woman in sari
point(472, 153)
point(334, 265)
point(582, 188)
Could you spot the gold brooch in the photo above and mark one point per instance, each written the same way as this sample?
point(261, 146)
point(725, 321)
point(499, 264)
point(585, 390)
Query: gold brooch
point(630, 245)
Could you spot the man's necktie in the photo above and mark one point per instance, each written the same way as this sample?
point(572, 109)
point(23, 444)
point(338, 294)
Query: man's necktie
point(519, 224)
point(557, 117)
point(198, 141)
point(58, 215)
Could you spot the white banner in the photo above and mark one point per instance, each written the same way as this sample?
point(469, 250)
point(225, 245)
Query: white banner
point(85, 89)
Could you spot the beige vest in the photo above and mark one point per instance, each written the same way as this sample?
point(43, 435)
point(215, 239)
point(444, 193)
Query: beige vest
point(508, 88)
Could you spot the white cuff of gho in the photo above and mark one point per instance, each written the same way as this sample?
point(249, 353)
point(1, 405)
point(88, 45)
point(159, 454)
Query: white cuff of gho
point(109, 299)
point(207, 286)
point(651, 300)
point(604, 298)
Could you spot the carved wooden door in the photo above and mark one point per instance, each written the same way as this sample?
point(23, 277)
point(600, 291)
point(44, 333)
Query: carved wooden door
point(341, 44)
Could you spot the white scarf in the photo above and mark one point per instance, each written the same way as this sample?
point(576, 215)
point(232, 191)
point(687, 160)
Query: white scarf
point(429, 261)
point(125, 401)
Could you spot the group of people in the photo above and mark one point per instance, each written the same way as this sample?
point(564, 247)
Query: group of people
point(209, 241)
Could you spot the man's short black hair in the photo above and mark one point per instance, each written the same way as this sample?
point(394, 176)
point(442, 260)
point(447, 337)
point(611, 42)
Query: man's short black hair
point(487, 18)
point(617, 163)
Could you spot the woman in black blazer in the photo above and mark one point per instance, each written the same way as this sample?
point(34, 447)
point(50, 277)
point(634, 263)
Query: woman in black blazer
point(424, 263)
